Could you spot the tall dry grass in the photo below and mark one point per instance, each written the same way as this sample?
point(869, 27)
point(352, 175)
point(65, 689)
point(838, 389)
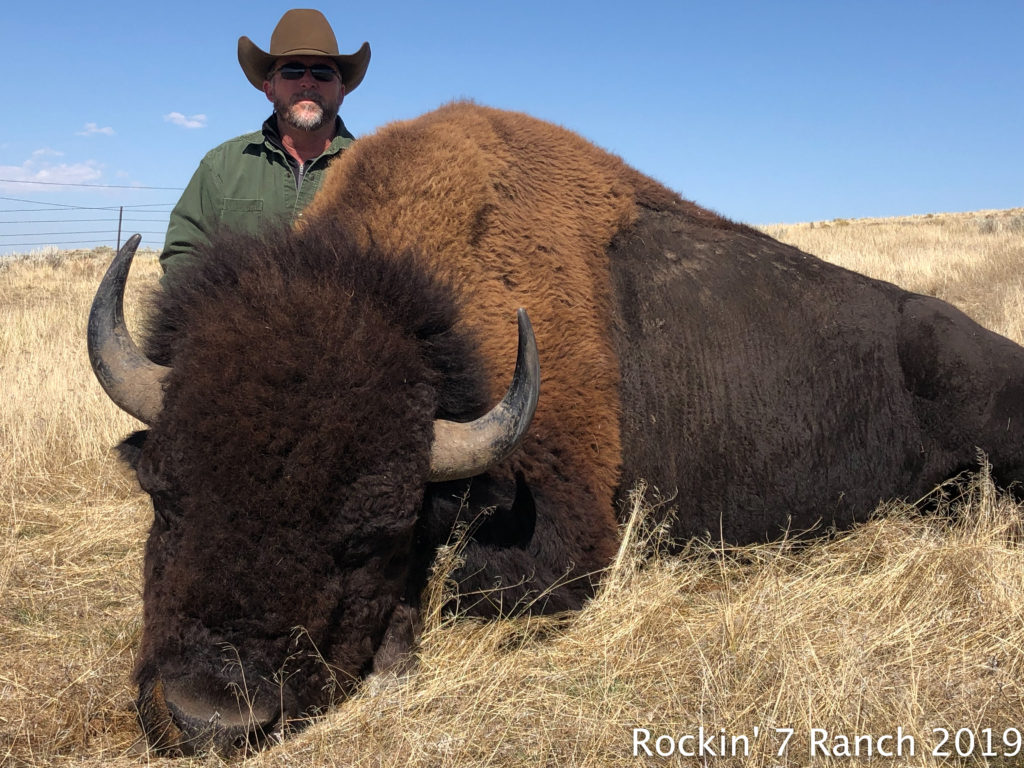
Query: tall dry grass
point(70, 521)
point(911, 622)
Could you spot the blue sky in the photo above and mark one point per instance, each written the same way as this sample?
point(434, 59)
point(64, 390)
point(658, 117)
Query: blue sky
point(763, 111)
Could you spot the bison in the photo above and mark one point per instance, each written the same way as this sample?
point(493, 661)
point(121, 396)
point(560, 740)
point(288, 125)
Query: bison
point(321, 418)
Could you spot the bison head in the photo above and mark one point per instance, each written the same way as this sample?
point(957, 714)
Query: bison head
point(308, 394)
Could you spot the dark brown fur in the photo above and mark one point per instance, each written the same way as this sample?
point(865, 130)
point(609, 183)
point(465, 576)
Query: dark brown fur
point(287, 469)
point(773, 392)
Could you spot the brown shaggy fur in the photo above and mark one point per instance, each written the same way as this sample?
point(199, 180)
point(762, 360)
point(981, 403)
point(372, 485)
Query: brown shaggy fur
point(769, 390)
point(516, 213)
point(307, 368)
point(287, 470)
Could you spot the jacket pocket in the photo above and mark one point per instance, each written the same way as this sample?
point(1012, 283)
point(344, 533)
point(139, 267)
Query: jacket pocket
point(241, 214)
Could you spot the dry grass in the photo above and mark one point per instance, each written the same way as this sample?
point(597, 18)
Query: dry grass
point(909, 621)
point(970, 259)
point(70, 522)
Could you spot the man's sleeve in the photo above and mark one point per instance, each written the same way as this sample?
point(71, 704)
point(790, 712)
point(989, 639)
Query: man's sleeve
point(192, 219)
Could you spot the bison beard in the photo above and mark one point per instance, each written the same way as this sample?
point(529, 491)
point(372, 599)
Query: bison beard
point(289, 450)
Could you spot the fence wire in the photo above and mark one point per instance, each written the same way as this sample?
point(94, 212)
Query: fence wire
point(35, 224)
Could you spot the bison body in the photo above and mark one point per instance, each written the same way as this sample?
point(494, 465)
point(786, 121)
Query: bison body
point(289, 460)
point(772, 392)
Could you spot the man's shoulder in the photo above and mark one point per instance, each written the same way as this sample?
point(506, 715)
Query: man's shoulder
point(232, 148)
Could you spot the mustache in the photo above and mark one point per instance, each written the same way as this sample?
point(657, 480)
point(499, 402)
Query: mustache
point(308, 96)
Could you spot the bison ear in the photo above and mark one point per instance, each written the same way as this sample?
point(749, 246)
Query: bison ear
point(130, 449)
point(514, 516)
point(498, 507)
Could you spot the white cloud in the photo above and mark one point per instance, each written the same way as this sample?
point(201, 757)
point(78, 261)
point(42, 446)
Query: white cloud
point(91, 129)
point(39, 170)
point(193, 121)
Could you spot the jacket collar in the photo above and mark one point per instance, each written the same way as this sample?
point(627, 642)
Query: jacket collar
point(271, 136)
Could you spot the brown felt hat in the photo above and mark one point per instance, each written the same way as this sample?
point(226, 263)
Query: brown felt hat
point(302, 32)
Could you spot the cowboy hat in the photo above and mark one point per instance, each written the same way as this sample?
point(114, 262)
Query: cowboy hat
point(302, 32)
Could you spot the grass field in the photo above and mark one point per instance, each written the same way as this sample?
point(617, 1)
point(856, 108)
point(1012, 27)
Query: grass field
point(908, 626)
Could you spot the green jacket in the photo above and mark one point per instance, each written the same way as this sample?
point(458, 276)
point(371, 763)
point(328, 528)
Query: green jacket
point(246, 183)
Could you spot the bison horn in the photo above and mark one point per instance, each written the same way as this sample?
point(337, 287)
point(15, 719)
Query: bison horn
point(131, 379)
point(466, 449)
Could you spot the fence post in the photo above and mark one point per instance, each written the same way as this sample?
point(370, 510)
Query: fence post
point(120, 216)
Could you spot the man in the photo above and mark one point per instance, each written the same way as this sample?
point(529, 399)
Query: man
point(268, 177)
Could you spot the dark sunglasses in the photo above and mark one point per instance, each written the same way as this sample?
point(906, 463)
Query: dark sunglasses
point(293, 70)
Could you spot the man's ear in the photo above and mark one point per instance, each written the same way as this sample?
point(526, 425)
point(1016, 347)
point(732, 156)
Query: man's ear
point(130, 449)
point(268, 91)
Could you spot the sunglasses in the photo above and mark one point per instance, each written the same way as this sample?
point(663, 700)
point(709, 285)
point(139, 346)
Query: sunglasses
point(293, 70)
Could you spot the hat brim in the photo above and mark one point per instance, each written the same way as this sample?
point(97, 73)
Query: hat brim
point(256, 63)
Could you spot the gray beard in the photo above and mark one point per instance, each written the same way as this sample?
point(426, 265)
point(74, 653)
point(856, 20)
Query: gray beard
point(302, 119)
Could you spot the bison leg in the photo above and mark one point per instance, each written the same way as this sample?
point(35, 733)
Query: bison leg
point(967, 385)
point(400, 638)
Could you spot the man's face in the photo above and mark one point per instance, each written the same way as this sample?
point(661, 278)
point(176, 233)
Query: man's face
point(306, 103)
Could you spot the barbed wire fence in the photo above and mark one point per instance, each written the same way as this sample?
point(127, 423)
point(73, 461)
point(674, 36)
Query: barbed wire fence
point(28, 225)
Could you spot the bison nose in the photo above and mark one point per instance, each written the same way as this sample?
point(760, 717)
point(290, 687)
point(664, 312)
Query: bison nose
point(221, 719)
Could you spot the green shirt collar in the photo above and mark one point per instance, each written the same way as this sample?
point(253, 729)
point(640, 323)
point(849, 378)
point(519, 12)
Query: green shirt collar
point(271, 136)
